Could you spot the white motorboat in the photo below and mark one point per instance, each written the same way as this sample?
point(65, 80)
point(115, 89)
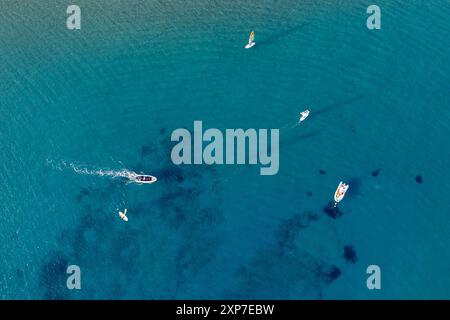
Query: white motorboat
point(143, 179)
point(303, 115)
point(340, 193)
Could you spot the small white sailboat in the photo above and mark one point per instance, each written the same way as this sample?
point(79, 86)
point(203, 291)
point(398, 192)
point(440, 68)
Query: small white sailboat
point(251, 43)
point(340, 193)
point(123, 215)
point(303, 115)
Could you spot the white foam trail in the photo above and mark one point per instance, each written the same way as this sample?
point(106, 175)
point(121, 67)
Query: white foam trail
point(290, 125)
point(124, 173)
point(58, 166)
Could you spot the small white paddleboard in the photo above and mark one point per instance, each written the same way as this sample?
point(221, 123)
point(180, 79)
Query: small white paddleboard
point(249, 45)
point(123, 215)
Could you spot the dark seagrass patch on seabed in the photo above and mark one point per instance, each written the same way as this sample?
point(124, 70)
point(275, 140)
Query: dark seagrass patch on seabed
point(294, 272)
point(52, 277)
point(350, 254)
point(332, 211)
point(419, 179)
point(376, 172)
point(289, 229)
point(189, 202)
point(181, 200)
point(329, 273)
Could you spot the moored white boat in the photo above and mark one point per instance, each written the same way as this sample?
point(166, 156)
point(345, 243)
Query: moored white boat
point(340, 192)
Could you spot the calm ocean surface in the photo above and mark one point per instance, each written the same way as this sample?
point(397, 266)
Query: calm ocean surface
point(108, 96)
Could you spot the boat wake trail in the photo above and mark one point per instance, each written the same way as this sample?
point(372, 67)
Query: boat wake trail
point(123, 173)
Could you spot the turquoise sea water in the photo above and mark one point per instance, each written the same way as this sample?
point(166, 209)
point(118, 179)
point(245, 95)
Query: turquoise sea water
point(108, 96)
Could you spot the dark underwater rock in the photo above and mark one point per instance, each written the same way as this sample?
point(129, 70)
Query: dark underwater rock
point(332, 211)
point(53, 275)
point(145, 150)
point(350, 254)
point(84, 192)
point(330, 274)
point(419, 179)
point(376, 172)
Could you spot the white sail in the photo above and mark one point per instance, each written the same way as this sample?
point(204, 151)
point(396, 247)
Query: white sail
point(251, 39)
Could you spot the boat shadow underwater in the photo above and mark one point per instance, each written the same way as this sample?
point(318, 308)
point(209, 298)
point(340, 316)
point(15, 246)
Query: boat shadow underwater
point(297, 137)
point(280, 35)
point(335, 105)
